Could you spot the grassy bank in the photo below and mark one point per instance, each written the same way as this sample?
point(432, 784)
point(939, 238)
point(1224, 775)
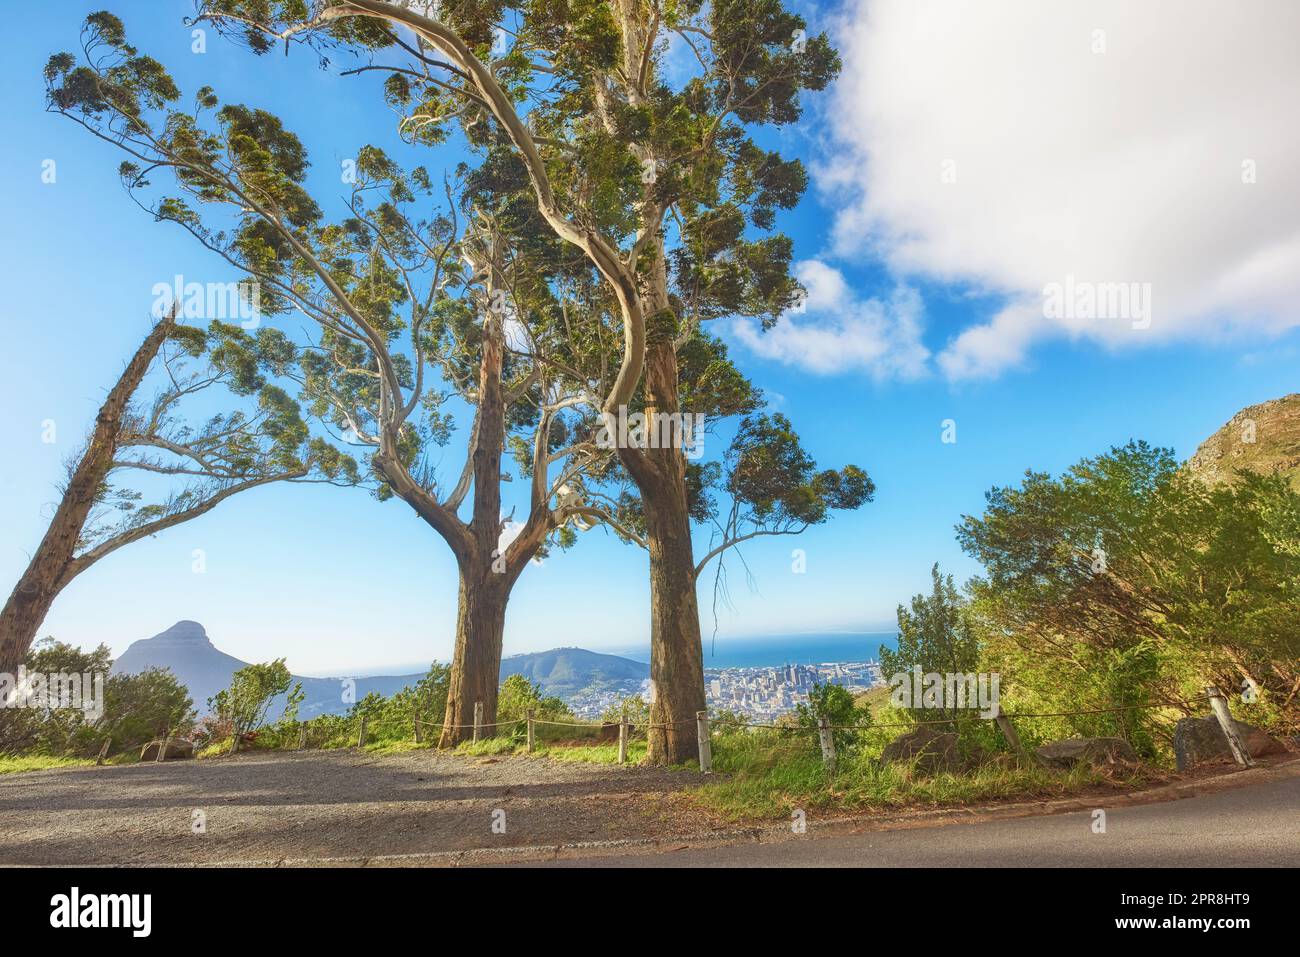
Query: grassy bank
point(39, 762)
point(775, 786)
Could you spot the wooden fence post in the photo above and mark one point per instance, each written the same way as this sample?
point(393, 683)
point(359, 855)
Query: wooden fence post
point(416, 719)
point(361, 735)
point(622, 741)
point(827, 742)
point(1013, 739)
point(103, 751)
point(302, 737)
point(1220, 708)
point(706, 746)
point(234, 740)
point(478, 718)
point(162, 749)
point(532, 741)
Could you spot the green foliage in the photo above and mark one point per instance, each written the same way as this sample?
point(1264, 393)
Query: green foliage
point(518, 696)
point(769, 471)
point(936, 635)
point(767, 484)
point(635, 708)
point(836, 705)
point(252, 690)
point(759, 776)
point(135, 708)
point(601, 109)
point(390, 721)
point(140, 708)
point(1127, 581)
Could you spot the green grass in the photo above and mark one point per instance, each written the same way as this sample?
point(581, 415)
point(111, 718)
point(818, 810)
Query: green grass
point(592, 754)
point(766, 778)
point(39, 762)
point(604, 753)
point(399, 746)
point(489, 746)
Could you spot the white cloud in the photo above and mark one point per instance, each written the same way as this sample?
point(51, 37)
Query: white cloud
point(838, 332)
point(1109, 167)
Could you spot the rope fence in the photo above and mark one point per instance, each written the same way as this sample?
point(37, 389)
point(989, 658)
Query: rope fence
point(706, 725)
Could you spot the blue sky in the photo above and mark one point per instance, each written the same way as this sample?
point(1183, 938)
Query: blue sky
point(335, 581)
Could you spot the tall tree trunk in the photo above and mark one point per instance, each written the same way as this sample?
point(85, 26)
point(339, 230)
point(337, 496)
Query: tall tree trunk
point(52, 566)
point(676, 652)
point(485, 580)
point(476, 662)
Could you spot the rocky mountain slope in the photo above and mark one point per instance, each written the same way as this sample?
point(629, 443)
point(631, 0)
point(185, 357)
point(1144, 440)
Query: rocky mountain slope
point(1262, 438)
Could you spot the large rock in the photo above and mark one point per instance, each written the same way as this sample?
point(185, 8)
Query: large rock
point(1202, 739)
point(932, 751)
point(1093, 751)
point(177, 750)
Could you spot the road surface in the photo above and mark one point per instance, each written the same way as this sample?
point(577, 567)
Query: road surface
point(1257, 825)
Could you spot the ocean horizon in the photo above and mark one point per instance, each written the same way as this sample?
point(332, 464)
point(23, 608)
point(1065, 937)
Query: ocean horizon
point(762, 651)
point(766, 651)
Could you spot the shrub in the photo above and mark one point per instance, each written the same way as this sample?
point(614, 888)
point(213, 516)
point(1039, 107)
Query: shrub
point(835, 704)
point(252, 689)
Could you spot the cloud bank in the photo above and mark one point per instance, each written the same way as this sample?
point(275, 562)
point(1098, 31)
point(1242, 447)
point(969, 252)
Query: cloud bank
point(1014, 145)
point(835, 331)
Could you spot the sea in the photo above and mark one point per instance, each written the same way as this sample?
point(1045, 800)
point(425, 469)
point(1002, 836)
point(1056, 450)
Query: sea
point(768, 651)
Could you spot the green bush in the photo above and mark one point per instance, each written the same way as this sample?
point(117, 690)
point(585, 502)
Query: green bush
point(244, 705)
point(835, 704)
point(136, 708)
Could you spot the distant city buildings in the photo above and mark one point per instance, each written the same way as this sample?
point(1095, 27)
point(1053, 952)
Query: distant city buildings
point(763, 694)
point(591, 703)
point(760, 694)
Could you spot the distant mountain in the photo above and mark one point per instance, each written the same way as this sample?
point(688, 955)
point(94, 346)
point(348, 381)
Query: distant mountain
point(1262, 438)
point(566, 671)
point(183, 648)
point(186, 650)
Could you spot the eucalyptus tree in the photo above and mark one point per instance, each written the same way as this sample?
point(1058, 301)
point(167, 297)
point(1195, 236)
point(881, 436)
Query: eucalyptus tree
point(652, 173)
point(413, 311)
point(765, 484)
point(236, 450)
point(768, 485)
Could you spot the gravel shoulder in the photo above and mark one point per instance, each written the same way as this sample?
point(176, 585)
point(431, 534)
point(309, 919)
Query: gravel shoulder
point(272, 806)
point(352, 808)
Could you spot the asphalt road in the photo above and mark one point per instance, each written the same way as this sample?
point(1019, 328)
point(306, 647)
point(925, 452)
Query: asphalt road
point(1257, 825)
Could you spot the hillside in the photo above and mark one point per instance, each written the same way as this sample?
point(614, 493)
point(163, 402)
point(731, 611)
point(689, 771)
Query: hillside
point(567, 671)
point(1274, 427)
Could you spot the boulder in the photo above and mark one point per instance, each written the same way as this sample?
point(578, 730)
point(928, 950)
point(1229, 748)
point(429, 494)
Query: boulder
point(177, 750)
point(1093, 751)
point(1202, 739)
point(932, 751)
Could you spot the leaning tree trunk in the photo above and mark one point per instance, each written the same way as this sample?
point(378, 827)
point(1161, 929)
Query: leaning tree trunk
point(51, 568)
point(676, 652)
point(476, 662)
